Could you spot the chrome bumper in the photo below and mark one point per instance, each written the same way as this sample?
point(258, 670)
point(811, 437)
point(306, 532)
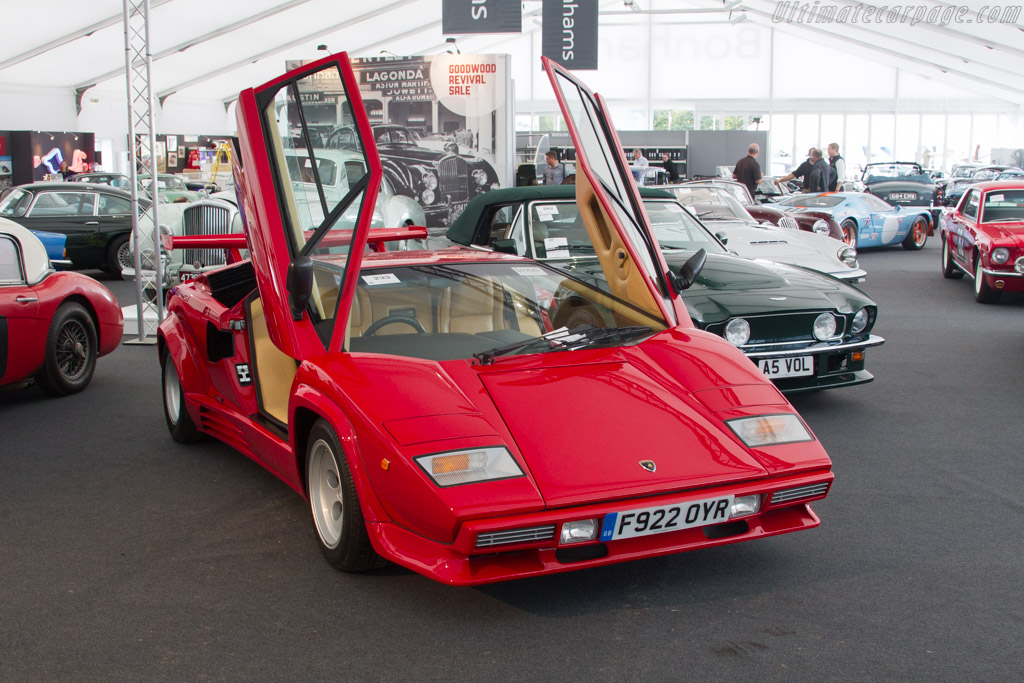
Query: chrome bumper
point(872, 340)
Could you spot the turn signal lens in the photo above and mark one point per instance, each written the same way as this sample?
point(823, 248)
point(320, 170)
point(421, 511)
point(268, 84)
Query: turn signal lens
point(769, 430)
point(466, 467)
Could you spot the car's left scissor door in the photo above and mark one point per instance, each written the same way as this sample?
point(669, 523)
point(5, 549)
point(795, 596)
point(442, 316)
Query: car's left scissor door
point(292, 221)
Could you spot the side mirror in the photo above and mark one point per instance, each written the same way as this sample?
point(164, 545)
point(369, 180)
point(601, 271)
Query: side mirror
point(505, 246)
point(689, 272)
point(299, 285)
point(722, 237)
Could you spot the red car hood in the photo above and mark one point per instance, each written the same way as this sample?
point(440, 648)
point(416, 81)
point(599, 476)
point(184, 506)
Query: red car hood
point(1008, 232)
point(577, 426)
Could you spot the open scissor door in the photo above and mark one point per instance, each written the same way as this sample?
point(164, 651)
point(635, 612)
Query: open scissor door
point(295, 230)
point(610, 205)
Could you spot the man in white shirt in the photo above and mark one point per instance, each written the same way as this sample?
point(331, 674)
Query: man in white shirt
point(639, 166)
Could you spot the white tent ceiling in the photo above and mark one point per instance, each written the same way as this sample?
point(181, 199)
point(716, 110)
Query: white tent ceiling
point(210, 50)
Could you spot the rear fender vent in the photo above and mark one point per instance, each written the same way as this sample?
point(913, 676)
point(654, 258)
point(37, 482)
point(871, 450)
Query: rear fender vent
point(800, 493)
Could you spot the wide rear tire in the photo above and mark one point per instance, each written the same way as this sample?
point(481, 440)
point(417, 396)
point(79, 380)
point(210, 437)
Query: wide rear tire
point(334, 504)
point(71, 350)
point(918, 235)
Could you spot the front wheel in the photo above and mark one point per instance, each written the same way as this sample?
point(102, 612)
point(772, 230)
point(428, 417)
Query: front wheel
point(71, 350)
point(949, 270)
point(334, 503)
point(983, 294)
point(850, 232)
point(917, 236)
point(179, 421)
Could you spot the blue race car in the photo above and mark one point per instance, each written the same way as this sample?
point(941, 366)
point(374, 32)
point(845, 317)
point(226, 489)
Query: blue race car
point(54, 244)
point(868, 221)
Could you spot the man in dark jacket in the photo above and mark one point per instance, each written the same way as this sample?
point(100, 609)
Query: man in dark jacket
point(820, 172)
point(670, 167)
point(802, 171)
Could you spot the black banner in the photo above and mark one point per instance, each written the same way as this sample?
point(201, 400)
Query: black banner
point(570, 33)
point(481, 16)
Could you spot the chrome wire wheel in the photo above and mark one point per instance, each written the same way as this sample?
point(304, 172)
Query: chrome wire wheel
point(172, 393)
point(72, 350)
point(325, 493)
point(125, 256)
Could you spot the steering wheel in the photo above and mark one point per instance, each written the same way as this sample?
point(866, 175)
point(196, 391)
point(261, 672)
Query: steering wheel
point(405, 320)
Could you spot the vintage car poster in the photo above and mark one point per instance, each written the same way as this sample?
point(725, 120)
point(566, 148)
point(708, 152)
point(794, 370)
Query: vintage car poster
point(442, 125)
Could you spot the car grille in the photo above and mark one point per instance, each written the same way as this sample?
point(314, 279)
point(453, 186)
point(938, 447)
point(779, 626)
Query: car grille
point(512, 536)
point(206, 219)
point(453, 178)
point(800, 493)
point(789, 223)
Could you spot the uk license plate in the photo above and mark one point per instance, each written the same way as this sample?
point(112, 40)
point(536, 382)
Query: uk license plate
point(777, 368)
point(902, 196)
point(188, 276)
point(665, 518)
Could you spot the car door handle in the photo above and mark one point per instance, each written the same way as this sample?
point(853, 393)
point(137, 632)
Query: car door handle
point(92, 223)
point(26, 299)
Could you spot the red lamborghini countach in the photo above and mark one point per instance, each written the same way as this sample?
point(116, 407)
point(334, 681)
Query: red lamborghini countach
point(426, 405)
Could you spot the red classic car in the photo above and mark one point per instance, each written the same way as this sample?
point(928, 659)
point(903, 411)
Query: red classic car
point(984, 237)
point(428, 409)
point(52, 325)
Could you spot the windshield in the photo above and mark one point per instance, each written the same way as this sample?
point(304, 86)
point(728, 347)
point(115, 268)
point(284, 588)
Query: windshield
point(1004, 206)
point(559, 233)
point(874, 173)
point(962, 171)
point(813, 201)
point(16, 203)
point(712, 203)
point(453, 311)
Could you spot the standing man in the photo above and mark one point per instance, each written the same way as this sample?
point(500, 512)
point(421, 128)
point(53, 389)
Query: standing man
point(747, 170)
point(838, 165)
point(671, 168)
point(639, 167)
point(802, 171)
point(554, 172)
point(820, 175)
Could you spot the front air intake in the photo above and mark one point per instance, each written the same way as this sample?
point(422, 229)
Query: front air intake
point(513, 536)
point(800, 493)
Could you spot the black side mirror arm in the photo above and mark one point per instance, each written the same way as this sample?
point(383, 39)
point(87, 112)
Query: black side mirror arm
point(689, 272)
point(300, 285)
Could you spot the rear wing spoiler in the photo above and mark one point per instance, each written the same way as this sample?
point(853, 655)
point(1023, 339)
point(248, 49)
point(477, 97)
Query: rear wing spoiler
point(235, 242)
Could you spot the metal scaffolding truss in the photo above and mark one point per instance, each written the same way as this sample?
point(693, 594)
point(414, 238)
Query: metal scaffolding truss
point(145, 225)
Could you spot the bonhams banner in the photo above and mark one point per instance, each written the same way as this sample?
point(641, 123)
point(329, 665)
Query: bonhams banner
point(481, 16)
point(570, 33)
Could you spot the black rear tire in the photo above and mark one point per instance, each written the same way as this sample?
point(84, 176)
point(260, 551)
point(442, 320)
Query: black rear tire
point(918, 235)
point(71, 349)
point(119, 255)
point(949, 270)
point(849, 228)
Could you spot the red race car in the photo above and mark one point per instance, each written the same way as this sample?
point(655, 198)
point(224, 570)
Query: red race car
point(53, 325)
point(984, 237)
point(426, 405)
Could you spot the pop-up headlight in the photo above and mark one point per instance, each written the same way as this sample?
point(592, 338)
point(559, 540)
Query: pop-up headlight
point(469, 466)
point(769, 430)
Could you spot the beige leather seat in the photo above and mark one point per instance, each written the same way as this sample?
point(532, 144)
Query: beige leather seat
point(473, 306)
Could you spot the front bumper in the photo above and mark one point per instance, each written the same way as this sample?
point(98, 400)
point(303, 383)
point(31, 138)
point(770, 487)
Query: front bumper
point(460, 564)
point(835, 365)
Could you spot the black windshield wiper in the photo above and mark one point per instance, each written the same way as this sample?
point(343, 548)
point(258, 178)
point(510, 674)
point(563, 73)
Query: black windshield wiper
point(563, 339)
